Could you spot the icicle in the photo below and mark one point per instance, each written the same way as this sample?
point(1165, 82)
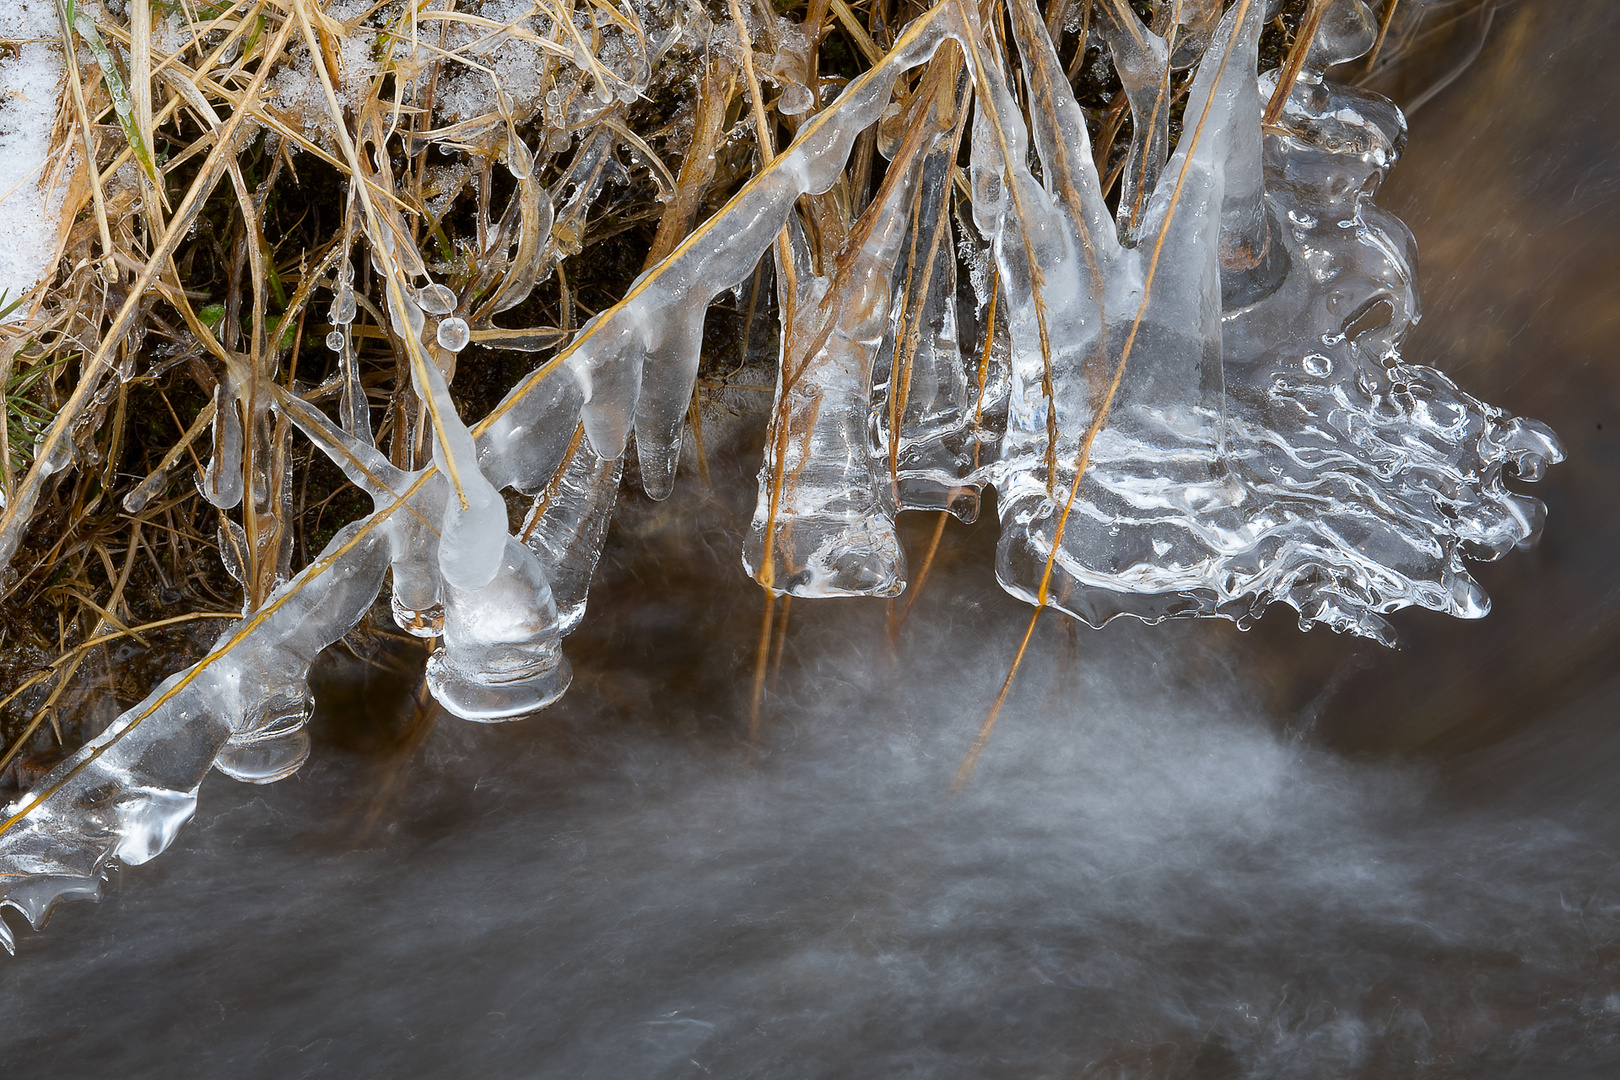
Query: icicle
point(149, 489)
point(412, 536)
point(583, 181)
point(1142, 61)
point(1142, 414)
point(568, 524)
point(125, 795)
point(353, 405)
point(502, 656)
point(925, 427)
point(474, 523)
point(824, 522)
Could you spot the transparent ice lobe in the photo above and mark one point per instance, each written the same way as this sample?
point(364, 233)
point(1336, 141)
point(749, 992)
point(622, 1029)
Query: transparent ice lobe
point(411, 525)
point(1111, 346)
point(824, 521)
point(530, 433)
point(568, 525)
point(222, 480)
point(502, 655)
point(473, 528)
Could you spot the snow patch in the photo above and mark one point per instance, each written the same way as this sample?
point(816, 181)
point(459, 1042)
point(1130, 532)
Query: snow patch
point(30, 93)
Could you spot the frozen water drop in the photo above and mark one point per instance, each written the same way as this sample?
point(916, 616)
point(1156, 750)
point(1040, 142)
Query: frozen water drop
point(519, 161)
point(454, 335)
point(335, 340)
point(150, 488)
point(796, 98)
point(344, 308)
point(1318, 365)
point(436, 299)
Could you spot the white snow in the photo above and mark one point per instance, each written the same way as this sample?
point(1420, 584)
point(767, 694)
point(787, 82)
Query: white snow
point(31, 189)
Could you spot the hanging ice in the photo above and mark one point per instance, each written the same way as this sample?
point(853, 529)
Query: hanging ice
point(1171, 454)
point(925, 385)
point(569, 523)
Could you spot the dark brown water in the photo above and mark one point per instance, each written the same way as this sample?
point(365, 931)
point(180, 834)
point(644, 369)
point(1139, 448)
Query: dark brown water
point(1187, 852)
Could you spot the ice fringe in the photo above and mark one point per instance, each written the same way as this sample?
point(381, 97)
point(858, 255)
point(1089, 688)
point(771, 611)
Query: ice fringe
point(1202, 417)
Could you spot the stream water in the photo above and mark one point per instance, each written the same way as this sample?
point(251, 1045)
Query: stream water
point(1186, 851)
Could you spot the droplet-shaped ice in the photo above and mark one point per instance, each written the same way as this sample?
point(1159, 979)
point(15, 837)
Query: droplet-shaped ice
point(344, 308)
point(453, 334)
point(436, 299)
point(150, 488)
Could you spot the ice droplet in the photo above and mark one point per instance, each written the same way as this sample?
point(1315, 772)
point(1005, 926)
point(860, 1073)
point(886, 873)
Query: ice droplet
point(149, 489)
point(344, 308)
point(335, 341)
point(436, 299)
point(453, 334)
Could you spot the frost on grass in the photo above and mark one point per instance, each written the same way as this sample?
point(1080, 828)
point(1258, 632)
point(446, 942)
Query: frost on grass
point(1193, 404)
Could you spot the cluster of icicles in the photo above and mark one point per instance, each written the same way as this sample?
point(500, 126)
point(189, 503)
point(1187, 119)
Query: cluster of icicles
point(1193, 407)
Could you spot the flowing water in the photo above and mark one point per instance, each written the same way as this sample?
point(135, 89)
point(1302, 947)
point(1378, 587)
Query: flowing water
point(1186, 851)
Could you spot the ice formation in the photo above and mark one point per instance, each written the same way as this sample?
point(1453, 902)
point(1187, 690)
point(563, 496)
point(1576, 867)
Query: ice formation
point(1193, 406)
point(1234, 422)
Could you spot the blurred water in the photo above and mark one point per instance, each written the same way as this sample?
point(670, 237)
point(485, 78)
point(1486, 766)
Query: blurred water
point(1143, 879)
point(1167, 864)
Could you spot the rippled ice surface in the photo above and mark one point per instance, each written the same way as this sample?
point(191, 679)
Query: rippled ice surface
point(1145, 878)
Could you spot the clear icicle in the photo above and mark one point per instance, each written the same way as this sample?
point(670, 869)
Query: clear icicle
point(149, 489)
point(353, 405)
point(924, 389)
point(412, 536)
point(568, 525)
point(1157, 307)
point(502, 656)
point(1142, 61)
point(474, 522)
point(824, 522)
